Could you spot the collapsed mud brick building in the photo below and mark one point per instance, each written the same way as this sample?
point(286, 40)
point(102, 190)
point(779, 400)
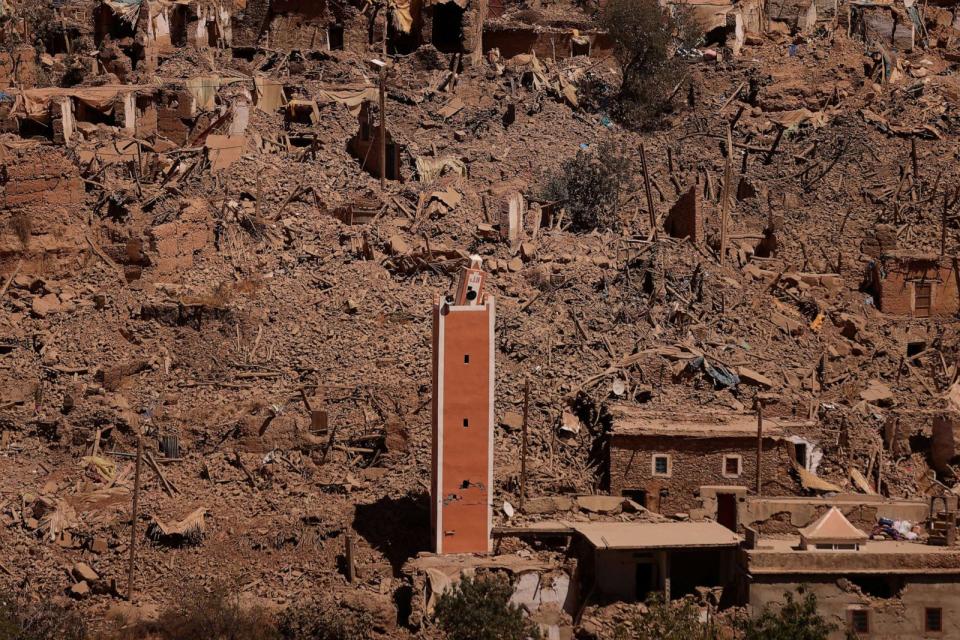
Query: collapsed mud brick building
point(917, 285)
point(723, 359)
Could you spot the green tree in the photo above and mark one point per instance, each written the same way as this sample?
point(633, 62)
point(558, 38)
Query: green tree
point(589, 186)
point(479, 609)
point(643, 35)
point(667, 621)
point(797, 619)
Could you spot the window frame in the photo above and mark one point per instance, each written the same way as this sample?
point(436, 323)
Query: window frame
point(851, 620)
point(732, 456)
point(653, 465)
point(926, 619)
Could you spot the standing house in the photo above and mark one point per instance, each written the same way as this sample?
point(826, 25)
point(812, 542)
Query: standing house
point(918, 285)
point(870, 588)
point(463, 412)
point(670, 462)
point(629, 560)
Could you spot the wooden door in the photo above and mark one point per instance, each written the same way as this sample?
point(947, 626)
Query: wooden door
point(922, 293)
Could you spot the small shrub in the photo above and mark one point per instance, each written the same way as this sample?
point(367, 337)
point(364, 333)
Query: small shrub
point(797, 619)
point(667, 621)
point(589, 186)
point(323, 622)
point(479, 609)
point(643, 35)
point(48, 620)
point(22, 225)
point(216, 615)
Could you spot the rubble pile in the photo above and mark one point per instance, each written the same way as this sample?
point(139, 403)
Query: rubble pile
point(223, 228)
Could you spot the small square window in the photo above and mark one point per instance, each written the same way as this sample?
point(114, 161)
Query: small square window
point(860, 621)
point(466, 422)
point(661, 465)
point(732, 466)
point(933, 619)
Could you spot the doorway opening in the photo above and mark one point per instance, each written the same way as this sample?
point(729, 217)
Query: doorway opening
point(727, 510)
point(448, 27)
point(637, 495)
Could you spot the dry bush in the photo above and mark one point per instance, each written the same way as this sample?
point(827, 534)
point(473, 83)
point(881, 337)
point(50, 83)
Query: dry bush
point(21, 619)
point(22, 224)
point(324, 621)
point(215, 614)
point(219, 298)
point(589, 186)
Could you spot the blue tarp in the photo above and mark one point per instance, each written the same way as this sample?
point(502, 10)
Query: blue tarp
point(722, 377)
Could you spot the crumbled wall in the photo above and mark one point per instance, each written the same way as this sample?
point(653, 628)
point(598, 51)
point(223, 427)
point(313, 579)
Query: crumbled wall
point(685, 219)
point(802, 512)
point(40, 189)
point(40, 177)
point(896, 279)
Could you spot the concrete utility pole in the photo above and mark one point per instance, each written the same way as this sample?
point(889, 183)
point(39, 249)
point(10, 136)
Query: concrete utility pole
point(383, 101)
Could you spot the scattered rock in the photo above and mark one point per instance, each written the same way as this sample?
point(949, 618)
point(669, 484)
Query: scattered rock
point(83, 572)
point(79, 590)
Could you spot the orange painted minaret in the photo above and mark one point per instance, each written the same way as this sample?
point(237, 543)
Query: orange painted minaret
point(463, 378)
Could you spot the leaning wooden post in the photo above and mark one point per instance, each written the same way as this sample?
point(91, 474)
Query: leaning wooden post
point(915, 166)
point(943, 224)
point(383, 125)
point(523, 447)
point(725, 194)
point(348, 557)
point(646, 185)
point(759, 446)
point(133, 523)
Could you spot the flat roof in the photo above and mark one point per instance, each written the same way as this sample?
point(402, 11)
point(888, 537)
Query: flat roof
point(656, 535)
point(906, 254)
point(782, 555)
point(630, 420)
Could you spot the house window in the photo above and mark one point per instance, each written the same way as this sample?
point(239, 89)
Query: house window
point(933, 619)
point(466, 422)
point(661, 465)
point(860, 620)
point(837, 547)
point(732, 466)
point(466, 358)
